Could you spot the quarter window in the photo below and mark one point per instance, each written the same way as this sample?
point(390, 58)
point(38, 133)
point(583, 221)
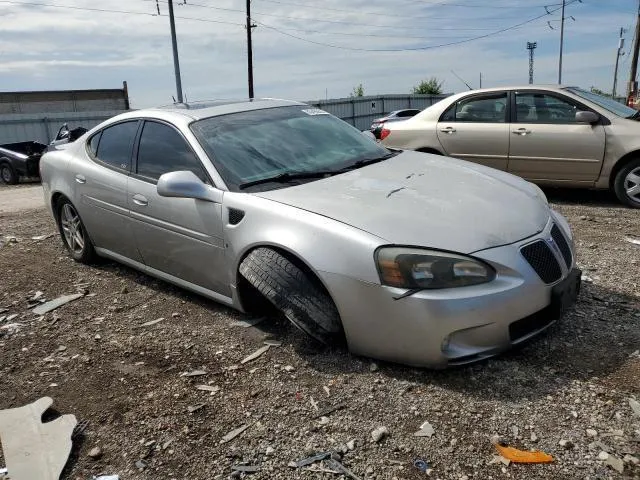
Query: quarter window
point(115, 144)
point(93, 144)
point(162, 150)
point(544, 108)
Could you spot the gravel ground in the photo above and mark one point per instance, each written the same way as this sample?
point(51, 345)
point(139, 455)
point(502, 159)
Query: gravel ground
point(96, 361)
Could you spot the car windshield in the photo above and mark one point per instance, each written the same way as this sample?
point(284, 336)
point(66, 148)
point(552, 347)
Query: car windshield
point(250, 146)
point(609, 104)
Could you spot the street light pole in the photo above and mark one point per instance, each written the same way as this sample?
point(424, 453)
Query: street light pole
point(619, 53)
point(561, 43)
point(633, 85)
point(249, 50)
point(531, 46)
point(174, 42)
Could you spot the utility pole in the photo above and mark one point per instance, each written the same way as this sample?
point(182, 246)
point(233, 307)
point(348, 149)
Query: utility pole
point(480, 79)
point(619, 53)
point(249, 49)
point(561, 43)
point(176, 62)
point(531, 46)
point(633, 85)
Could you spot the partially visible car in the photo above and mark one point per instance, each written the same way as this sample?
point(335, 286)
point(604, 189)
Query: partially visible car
point(403, 256)
point(549, 135)
point(20, 159)
point(395, 116)
point(66, 136)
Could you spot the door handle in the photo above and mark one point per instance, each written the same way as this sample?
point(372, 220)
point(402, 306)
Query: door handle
point(448, 130)
point(140, 200)
point(522, 131)
point(81, 178)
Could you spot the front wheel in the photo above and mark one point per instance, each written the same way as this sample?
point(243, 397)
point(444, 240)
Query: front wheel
point(73, 233)
point(627, 184)
point(296, 294)
point(8, 174)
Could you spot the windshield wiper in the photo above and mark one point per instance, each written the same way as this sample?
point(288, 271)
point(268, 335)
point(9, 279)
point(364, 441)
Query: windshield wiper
point(287, 177)
point(300, 175)
point(635, 116)
point(367, 161)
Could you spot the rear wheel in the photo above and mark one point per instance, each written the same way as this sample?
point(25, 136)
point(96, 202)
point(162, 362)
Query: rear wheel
point(301, 298)
point(73, 233)
point(8, 174)
point(627, 184)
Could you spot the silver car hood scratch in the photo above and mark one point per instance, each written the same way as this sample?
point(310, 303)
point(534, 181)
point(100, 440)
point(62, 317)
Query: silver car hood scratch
point(426, 200)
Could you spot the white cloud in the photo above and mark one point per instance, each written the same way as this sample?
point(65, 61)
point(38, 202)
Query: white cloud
point(44, 47)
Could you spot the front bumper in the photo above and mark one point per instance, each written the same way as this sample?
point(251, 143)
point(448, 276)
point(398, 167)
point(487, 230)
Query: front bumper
point(440, 328)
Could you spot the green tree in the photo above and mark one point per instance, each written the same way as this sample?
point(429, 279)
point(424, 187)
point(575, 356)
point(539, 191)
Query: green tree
point(358, 91)
point(429, 87)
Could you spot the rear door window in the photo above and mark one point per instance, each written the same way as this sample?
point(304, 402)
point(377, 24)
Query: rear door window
point(116, 144)
point(483, 109)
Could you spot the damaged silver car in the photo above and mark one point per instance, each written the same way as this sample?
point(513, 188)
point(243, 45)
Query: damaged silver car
point(405, 256)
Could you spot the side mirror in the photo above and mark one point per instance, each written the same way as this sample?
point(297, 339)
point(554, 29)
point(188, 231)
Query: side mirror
point(587, 117)
point(185, 184)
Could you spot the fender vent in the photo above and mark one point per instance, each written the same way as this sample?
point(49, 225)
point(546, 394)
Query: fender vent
point(235, 216)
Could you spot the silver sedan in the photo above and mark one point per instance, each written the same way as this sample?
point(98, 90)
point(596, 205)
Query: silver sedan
point(404, 256)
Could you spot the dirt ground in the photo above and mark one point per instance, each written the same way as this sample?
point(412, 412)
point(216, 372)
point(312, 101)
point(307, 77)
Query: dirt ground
point(97, 361)
point(26, 196)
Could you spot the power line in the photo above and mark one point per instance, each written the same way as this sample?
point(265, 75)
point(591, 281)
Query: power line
point(373, 35)
point(105, 10)
point(280, 30)
point(466, 5)
point(342, 22)
point(428, 47)
point(387, 14)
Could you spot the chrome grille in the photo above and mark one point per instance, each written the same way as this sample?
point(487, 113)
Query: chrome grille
point(543, 261)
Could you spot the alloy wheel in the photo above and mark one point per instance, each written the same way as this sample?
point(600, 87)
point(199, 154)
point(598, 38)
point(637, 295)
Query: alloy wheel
point(6, 174)
point(632, 185)
point(72, 228)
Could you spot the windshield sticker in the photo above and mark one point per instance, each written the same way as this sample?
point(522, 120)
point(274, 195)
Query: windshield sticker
point(315, 111)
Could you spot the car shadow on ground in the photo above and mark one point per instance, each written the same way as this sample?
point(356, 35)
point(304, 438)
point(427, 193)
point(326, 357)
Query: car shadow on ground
point(582, 196)
point(595, 340)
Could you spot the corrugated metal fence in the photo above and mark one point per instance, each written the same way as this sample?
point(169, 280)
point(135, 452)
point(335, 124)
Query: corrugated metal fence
point(358, 111)
point(22, 127)
point(37, 116)
point(361, 111)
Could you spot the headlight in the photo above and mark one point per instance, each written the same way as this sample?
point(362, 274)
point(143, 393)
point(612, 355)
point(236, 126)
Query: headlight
point(417, 269)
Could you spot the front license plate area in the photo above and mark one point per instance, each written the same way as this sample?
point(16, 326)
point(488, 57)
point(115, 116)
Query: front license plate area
point(565, 294)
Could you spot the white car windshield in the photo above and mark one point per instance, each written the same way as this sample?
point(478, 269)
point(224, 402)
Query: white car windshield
point(607, 103)
point(253, 146)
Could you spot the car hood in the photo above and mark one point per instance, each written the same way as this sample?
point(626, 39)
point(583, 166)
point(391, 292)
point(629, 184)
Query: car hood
point(426, 200)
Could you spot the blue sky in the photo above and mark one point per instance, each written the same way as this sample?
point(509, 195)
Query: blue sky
point(48, 47)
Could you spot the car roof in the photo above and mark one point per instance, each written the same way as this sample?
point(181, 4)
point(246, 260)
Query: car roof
point(213, 108)
point(556, 88)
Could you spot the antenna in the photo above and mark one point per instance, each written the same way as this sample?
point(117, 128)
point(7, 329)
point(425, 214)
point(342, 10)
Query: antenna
point(458, 77)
